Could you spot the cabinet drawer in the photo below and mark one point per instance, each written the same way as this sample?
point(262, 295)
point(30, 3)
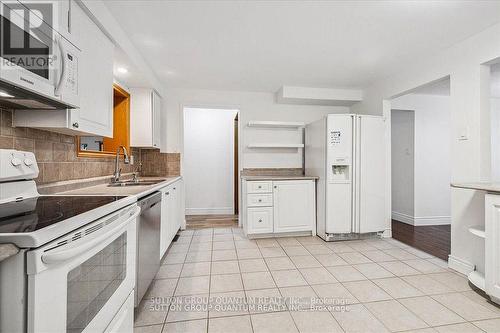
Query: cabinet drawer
point(260, 220)
point(259, 200)
point(259, 187)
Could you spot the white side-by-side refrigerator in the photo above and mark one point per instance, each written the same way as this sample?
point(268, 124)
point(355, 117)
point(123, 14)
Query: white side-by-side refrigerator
point(347, 152)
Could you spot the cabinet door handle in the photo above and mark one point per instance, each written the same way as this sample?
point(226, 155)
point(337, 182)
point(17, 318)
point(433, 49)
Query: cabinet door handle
point(260, 186)
point(76, 125)
point(167, 193)
point(174, 188)
point(260, 200)
point(275, 186)
point(260, 220)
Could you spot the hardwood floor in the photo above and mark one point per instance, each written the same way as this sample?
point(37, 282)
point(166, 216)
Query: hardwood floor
point(211, 221)
point(435, 240)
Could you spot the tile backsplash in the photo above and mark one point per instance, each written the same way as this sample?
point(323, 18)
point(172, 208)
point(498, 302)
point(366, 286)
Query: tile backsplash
point(156, 164)
point(57, 160)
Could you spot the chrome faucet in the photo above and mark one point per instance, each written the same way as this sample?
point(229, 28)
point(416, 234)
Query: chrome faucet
point(117, 174)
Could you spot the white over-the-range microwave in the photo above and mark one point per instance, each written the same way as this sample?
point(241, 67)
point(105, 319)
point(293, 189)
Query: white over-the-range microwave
point(39, 66)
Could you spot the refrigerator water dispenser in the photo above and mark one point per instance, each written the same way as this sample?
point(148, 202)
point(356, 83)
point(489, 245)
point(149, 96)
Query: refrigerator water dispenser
point(340, 172)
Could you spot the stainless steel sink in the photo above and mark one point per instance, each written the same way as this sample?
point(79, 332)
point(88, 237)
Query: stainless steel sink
point(135, 183)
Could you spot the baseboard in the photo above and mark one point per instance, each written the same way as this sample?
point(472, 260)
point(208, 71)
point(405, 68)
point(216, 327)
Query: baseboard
point(422, 220)
point(460, 265)
point(210, 211)
point(405, 218)
point(432, 220)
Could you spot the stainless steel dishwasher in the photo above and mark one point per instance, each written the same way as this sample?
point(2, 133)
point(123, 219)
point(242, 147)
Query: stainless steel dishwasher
point(148, 244)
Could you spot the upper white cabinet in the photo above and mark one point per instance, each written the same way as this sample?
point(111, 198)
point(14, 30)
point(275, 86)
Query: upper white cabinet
point(95, 114)
point(145, 118)
point(95, 85)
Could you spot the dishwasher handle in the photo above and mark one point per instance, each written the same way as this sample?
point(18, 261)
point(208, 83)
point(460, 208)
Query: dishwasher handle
point(150, 201)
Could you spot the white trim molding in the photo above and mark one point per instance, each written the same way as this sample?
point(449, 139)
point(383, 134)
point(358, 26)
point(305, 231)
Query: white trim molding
point(432, 220)
point(421, 220)
point(405, 218)
point(460, 265)
point(210, 211)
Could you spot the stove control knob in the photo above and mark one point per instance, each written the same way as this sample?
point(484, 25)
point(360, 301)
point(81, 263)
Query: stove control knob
point(15, 161)
point(28, 162)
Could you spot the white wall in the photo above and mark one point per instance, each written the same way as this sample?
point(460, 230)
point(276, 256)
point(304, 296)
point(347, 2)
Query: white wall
point(470, 126)
point(209, 160)
point(403, 165)
point(495, 139)
point(432, 176)
point(252, 106)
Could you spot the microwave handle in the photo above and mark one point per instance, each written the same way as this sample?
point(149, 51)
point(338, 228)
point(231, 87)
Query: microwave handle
point(64, 72)
point(72, 250)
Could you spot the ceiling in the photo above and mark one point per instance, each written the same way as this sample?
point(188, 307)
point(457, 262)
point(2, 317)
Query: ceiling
point(261, 45)
point(442, 87)
point(439, 87)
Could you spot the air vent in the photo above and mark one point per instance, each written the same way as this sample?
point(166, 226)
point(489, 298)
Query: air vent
point(76, 236)
point(61, 243)
point(94, 228)
point(112, 219)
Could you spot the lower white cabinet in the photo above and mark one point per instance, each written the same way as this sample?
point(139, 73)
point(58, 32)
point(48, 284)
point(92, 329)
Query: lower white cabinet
point(294, 205)
point(172, 213)
point(279, 206)
point(260, 220)
point(492, 247)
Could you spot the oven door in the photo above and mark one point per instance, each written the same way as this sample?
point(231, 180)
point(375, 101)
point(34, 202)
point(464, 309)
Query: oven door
point(38, 67)
point(79, 282)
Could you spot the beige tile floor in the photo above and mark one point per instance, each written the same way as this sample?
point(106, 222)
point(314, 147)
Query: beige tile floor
point(216, 280)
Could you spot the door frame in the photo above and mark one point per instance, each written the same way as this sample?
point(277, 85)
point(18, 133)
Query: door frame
point(238, 109)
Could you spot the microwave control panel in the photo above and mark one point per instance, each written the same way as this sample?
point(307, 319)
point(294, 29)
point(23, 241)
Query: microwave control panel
point(72, 73)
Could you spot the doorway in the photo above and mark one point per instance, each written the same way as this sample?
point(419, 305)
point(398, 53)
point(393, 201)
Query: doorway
point(421, 168)
point(211, 166)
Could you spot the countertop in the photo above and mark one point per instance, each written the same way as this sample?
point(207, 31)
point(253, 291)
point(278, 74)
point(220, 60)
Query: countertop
point(270, 177)
point(481, 186)
point(135, 191)
point(7, 250)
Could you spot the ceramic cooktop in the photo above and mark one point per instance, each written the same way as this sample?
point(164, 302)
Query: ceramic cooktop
point(36, 213)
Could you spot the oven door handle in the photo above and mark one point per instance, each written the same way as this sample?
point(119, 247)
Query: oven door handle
point(83, 245)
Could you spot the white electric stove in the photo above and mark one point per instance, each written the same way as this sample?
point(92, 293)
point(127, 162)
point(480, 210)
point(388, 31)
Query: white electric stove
point(75, 270)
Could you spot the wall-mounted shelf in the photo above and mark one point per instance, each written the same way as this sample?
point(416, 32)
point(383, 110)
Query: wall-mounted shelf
point(477, 230)
point(276, 145)
point(276, 124)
